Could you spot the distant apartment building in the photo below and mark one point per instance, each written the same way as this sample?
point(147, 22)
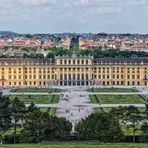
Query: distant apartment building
point(48, 43)
point(65, 43)
point(135, 47)
point(20, 42)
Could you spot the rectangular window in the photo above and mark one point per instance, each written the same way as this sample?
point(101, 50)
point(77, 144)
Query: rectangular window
point(61, 62)
point(14, 76)
point(61, 77)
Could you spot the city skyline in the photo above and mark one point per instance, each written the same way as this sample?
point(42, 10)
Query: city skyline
point(58, 16)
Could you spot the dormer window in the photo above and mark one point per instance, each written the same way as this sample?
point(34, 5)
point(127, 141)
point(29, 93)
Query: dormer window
point(86, 61)
point(61, 62)
point(78, 62)
point(82, 62)
point(65, 62)
point(69, 62)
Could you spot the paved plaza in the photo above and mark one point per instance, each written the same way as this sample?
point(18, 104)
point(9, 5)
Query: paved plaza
point(74, 105)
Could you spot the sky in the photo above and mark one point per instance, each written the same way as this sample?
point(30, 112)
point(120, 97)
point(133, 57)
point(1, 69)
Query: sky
point(81, 16)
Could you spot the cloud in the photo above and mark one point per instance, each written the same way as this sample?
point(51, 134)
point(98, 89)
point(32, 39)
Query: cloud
point(36, 2)
point(66, 14)
point(84, 2)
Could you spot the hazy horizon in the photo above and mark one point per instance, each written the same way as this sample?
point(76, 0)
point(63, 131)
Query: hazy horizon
point(70, 32)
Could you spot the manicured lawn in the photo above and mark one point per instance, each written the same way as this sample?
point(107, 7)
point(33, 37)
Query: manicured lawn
point(37, 99)
point(36, 90)
point(112, 90)
point(99, 109)
point(94, 99)
point(129, 131)
point(11, 131)
point(77, 145)
point(51, 111)
point(108, 109)
point(120, 99)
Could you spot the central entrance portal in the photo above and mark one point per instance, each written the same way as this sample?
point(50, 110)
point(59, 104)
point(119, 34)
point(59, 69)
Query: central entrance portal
point(75, 83)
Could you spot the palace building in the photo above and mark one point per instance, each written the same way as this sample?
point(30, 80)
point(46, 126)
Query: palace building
point(73, 71)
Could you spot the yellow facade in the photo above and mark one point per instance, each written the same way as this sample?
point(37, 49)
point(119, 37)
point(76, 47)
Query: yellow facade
point(73, 70)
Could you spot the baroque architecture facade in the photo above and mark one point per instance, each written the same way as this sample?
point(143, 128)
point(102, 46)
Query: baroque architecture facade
point(73, 70)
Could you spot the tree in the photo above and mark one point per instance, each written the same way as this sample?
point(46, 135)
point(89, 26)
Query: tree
point(29, 97)
point(40, 126)
point(133, 117)
point(5, 116)
point(64, 128)
point(18, 114)
point(33, 125)
point(28, 36)
point(34, 56)
point(118, 113)
point(100, 126)
point(50, 55)
point(144, 127)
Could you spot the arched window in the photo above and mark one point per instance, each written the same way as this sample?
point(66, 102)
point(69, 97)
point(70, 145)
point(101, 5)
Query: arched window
point(69, 62)
point(78, 62)
point(86, 61)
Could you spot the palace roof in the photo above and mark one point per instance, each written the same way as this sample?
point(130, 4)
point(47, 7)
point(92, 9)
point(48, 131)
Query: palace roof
point(121, 61)
point(11, 61)
point(107, 61)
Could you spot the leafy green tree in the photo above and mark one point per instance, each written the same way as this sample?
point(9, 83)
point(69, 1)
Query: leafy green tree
point(144, 127)
point(33, 55)
point(100, 126)
point(64, 128)
point(119, 113)
point(5, 116)
point(33, 125)
point(40, 126)
point(28, 36)
point(18, 114)
point(50, 55)
point(133, 117)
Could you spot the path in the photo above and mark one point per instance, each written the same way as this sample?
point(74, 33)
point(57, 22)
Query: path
point(89, 105)
point(74, 105)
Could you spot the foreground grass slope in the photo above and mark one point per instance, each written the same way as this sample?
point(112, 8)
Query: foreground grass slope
point(76, 145)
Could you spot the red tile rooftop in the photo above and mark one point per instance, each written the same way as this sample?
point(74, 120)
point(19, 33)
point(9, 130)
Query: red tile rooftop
point(140, 47)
